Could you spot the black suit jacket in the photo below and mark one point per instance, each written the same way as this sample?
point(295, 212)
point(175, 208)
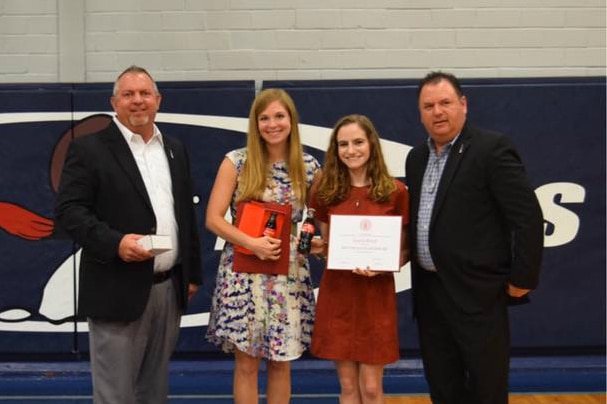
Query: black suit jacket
point(101, 198)
point(486, 227)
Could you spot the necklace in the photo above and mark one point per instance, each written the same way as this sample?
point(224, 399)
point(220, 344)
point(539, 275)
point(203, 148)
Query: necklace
point(360, 192)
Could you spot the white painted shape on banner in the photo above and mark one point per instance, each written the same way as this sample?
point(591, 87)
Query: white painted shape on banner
point(565, 222)
point(57, 302)
point(14, 315)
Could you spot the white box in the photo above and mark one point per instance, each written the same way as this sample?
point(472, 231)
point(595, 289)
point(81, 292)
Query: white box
point(156, 243)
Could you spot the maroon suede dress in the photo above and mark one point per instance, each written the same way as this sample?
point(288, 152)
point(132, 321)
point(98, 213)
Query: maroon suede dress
point(356, 315)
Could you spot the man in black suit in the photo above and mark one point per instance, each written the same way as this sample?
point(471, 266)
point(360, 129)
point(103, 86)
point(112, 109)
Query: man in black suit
point(476, 241)
point(117, 185)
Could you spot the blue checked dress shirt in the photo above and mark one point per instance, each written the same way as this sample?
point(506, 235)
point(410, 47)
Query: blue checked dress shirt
point(432, 176)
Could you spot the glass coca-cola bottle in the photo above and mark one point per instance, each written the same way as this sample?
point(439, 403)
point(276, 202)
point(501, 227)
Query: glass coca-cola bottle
point(270, 229)
point(307, 233)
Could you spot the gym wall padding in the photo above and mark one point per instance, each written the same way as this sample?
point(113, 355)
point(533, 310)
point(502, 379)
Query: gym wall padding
point(557, 124)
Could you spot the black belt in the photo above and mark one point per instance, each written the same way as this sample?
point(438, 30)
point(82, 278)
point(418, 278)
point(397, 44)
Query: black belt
point(160, 277)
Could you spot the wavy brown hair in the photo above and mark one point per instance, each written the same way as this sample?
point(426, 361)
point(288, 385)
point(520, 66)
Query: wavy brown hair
point(254, 176)
point(334, 185)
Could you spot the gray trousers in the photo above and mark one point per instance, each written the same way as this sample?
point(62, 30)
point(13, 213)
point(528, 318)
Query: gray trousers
point(130, 360)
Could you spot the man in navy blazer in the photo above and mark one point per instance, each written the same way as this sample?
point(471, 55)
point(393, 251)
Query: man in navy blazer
point(476, 234)
point(118, 185)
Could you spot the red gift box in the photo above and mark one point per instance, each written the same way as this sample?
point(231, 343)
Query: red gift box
point(251, 218)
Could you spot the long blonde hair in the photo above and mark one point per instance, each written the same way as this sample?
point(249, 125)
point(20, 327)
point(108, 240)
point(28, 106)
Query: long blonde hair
point(334, 186)
point(254, 176)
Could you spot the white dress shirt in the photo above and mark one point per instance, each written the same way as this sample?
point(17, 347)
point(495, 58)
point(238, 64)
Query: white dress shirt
point(153, 166)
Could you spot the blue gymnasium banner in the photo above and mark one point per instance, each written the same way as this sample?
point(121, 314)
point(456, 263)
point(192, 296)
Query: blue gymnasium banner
point(557, 124)
point(38, 267)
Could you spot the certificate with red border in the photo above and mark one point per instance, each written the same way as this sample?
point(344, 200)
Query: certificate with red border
point(362, 241)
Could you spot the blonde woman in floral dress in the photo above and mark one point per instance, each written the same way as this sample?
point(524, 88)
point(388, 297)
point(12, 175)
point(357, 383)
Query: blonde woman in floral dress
point(260, 316)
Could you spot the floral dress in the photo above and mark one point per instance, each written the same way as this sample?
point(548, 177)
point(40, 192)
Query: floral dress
point(266, 316)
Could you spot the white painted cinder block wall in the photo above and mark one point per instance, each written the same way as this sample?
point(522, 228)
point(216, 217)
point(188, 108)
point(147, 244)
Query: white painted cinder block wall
point(92, 40)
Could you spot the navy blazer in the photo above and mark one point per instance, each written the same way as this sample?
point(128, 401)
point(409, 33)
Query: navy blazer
point(486, 227)
point(101, 198)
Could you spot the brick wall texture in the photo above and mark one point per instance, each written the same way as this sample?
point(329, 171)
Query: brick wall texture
point(299, 39)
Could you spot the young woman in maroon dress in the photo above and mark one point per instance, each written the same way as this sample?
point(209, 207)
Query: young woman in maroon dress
point(355, 323)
